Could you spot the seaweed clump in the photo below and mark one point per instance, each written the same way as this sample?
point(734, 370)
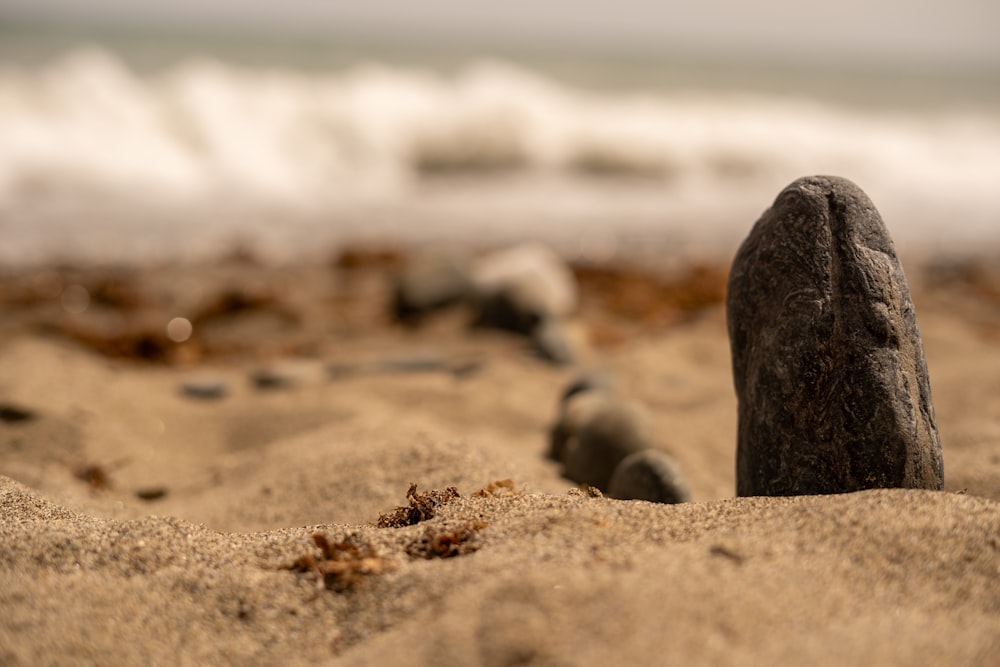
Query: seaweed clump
point(499, 488)
point(446, 542)
point(342, 564)
point(422, 507)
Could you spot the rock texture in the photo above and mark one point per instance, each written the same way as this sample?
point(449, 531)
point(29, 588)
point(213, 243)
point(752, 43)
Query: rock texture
point(828, 364)
point(649, 475)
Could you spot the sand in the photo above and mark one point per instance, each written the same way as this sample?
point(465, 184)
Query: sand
point(140, 524)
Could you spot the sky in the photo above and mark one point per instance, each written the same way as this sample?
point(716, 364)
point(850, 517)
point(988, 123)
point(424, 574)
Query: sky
point(958, 33)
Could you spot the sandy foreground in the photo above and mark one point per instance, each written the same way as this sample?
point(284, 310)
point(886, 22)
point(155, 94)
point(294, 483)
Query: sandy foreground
point(142, 524)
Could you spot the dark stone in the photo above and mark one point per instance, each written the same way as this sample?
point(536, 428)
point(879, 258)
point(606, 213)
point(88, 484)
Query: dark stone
point(598, 431)
point(552, 342)
point(594, 381)
point(649, 475)
point(270, 378)
point(415, 363)
point(520, 287)
point(828, 364)
point(559, 432)
point(205, 390)
point(13, 413)
point(513, 308)
point(151, 493)
point(429, 284)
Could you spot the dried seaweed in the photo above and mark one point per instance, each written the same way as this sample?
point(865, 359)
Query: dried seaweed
point(442, 542)
point(138, 343)
point(500, 487)
point(648, 299)
point(94, 475)
point(341, 565)
point(233, 301)
point(422, 507)
point(368, 257)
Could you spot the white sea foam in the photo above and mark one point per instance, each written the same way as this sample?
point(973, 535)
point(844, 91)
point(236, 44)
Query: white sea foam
point(491, 144)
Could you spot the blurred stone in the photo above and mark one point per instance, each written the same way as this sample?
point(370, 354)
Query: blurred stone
point(205, 389)
point(553, 342)
point(828, 364)
point(595, 432)
point(430, 283)
point(272, 378)
point(650, 475)
point(558, 434)
point(591, 381)
point(417, 362)
point(287, 373)
point(13, 413)
point(522, 286)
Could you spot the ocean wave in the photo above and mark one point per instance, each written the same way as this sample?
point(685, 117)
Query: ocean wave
point(86, 126)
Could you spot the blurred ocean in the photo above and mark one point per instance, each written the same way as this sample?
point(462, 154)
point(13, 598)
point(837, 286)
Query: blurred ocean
point(130, 149)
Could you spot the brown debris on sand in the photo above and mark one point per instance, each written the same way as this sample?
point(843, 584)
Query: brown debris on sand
point(446, 542)
point(342, 564)
point(422, 507)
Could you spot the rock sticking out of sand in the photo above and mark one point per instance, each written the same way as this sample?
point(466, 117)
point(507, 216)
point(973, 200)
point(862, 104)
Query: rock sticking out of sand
point(649, 475)
point(833, 389)
point(594, 431)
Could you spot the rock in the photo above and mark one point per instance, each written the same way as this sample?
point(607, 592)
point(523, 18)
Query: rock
point(592, 381)
point(417, 362)
point(431, 283)
point(272, 378)
point(284, 374)
point(553, 343)
point(516, 308)
point(828, 364)
point(13, 413)
point(598, 431)
point(649, 475)
point(151, 493)
point(558, 434)
point(520, 287)
point(204, 389)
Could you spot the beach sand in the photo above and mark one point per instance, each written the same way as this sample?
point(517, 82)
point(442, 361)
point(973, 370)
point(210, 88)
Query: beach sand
point(159, 499)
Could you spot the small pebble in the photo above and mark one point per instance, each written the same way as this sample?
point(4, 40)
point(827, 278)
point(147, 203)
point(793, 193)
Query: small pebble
point(650, 475)
point(521, 286)
point(205, 389)
point(415, 363)
point(13, 414)
point(431, 283)
point(559, 434)
point(269, 378)
point(151, 493)
point(600, 430)
point(552, 342)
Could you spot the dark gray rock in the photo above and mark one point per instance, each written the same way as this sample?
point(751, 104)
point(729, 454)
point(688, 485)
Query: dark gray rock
point(272, 379)
point(559, 435)
point(430, 283)
point(600, 430)
point(828, 364)
point(591, 381)
point(650, 475)
point(522, 286)
point(515, 308)
point(205, 389)
point(14, 413)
